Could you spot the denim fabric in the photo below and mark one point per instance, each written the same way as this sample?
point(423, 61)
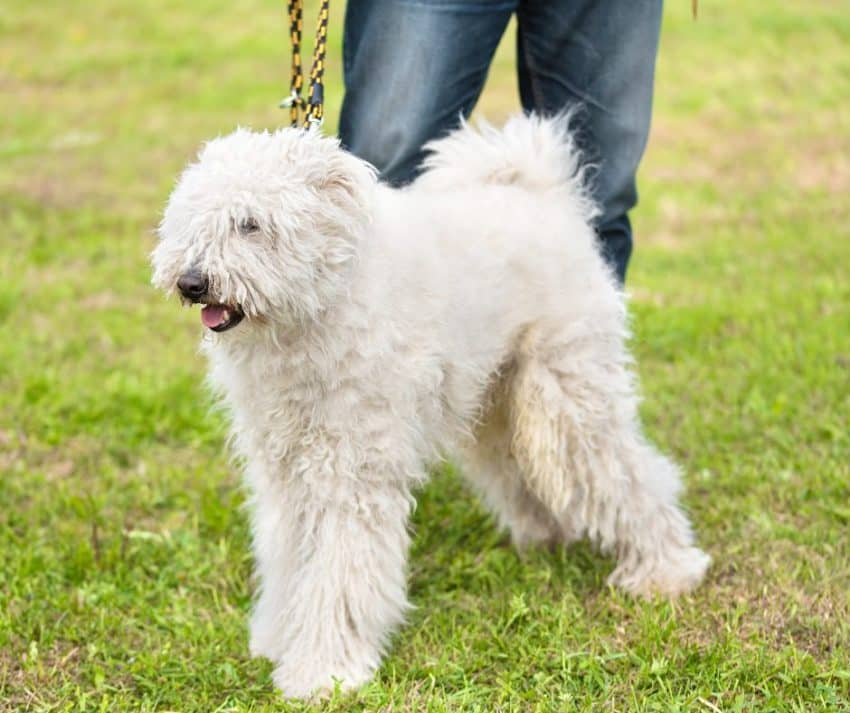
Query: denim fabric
point(412, 67)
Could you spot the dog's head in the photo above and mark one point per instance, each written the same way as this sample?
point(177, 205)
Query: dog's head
point(263, 227)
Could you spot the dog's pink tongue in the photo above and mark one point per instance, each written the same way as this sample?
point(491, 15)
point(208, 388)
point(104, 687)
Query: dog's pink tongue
point(213, 315)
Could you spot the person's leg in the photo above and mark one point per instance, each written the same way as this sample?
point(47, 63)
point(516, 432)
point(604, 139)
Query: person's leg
point(411, 68)
point(599, 54)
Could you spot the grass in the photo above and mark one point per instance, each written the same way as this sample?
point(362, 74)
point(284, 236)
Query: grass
point(124, 566)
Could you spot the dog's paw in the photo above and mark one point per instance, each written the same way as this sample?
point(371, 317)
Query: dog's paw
point(304, 680)
point(675, 573)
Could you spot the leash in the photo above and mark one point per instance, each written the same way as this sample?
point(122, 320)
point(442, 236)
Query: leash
point(314, 106)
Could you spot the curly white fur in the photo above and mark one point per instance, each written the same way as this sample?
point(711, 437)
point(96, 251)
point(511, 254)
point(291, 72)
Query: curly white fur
point(468, 315)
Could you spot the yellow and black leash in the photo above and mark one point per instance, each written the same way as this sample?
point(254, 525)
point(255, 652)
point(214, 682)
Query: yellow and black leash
point(314, 106)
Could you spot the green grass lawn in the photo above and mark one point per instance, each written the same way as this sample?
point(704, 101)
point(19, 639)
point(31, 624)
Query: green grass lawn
point(124, 554)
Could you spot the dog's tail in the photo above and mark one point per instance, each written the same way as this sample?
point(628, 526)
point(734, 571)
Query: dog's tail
point(538, 153)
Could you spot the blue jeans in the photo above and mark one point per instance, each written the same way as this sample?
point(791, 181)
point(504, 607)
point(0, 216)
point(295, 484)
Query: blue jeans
point(413, 66)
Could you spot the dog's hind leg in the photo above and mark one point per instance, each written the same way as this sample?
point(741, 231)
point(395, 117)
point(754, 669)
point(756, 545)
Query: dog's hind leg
point(489, 466)
point(577, 439)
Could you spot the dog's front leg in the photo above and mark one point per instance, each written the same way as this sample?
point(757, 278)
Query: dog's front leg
point(331, 558)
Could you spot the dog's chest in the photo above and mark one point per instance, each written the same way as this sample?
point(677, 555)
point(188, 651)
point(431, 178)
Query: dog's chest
point(282, 404)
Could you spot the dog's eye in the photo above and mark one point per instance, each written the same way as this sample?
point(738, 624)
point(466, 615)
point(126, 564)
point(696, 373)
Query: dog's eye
point(248, 226)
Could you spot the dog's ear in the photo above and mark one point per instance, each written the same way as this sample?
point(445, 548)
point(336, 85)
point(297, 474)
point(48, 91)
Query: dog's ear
point(342, 180)
point(348, 182)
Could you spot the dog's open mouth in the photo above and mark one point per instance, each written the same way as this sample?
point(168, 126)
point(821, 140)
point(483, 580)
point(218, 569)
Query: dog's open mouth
point(220, 318)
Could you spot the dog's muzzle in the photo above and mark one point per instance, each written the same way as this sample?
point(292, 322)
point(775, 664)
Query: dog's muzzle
point(194, 286)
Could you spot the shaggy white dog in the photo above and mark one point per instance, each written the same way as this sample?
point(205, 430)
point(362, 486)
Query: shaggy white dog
point(359, 333)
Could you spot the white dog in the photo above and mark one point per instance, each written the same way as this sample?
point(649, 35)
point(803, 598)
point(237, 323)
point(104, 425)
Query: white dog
point(359, 333)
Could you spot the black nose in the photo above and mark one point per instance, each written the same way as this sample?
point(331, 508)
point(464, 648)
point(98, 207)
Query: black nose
point(193, 285)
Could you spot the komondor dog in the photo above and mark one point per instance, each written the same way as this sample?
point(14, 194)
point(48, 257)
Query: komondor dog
point(359, 333)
